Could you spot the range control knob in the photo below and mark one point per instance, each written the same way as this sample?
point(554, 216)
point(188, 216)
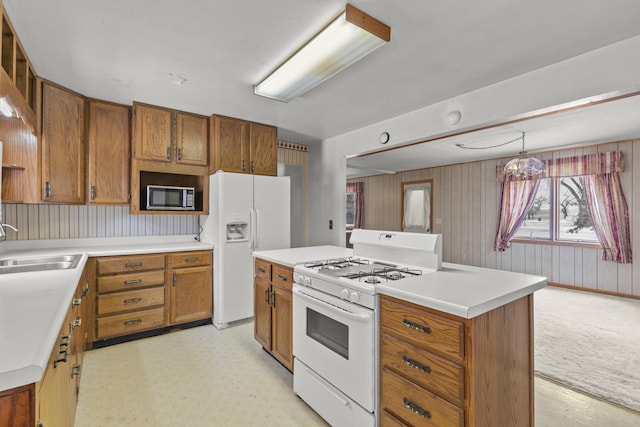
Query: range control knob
point(306, 280)
point(354, 297)
point(345, 294)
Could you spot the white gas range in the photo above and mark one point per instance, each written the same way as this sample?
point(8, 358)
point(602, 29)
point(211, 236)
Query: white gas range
point(335, 318)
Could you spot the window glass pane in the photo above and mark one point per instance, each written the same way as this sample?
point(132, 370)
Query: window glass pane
point(415, 215)
point(537, 224)
point(574, 222)
point(351, 209)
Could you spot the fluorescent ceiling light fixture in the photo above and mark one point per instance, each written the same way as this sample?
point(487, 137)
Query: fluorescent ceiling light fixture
point(349, 37)
point(6, 109)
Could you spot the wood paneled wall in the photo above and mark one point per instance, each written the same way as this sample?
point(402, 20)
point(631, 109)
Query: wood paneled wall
point(75, 221)
point(465, 210)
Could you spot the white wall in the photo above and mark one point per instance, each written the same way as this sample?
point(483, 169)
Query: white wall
point(610, 69)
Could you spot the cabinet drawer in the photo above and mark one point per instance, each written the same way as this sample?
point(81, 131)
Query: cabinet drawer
point(262, 269)
point(423, 329)
point(132, 300)
point(124, 282)
point(190, 259)
point(128, 323)
point(125, 264)
point(388, 420)
point(282, 277)
point(425, 369)
point(415, 405)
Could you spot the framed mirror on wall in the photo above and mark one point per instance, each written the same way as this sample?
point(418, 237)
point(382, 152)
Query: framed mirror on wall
point(417, 206)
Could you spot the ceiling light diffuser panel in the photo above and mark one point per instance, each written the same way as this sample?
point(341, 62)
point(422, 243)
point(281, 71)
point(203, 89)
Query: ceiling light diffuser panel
point(349, 37)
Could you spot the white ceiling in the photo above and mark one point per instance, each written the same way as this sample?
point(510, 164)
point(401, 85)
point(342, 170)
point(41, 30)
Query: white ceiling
point(124, 50)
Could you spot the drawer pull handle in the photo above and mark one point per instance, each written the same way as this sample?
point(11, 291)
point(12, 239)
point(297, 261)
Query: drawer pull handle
point(261, 270)
point(281, 277)
point(76, 302)
point(62, 354)
point(133, 264)
point(132, 322)
point(132, 282)
point(417, 365)
point(194, 259)
point(75, 370)
point(415, 408)
point(85, 290)
point(132, 300)
point(416, 326)
point(76, 323)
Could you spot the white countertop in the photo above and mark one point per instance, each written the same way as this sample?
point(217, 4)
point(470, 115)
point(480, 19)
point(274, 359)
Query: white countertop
point(463, 290)
point(33, 305)
point(291, 257)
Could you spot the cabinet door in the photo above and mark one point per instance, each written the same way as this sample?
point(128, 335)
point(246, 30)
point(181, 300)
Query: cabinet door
point(263, 149)
point(192, 139)
point(281, 344)
point(230, 145)
point(190, 292)
point(63, 152)
point(17, 407)
point(262, 312)
point(108, 160)
point(152, 133)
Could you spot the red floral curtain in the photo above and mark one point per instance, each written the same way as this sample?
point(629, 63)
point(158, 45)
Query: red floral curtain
point(517, 198)
point(358, 189)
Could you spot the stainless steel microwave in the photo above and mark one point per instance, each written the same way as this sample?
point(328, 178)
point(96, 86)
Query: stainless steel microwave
point(164, 197)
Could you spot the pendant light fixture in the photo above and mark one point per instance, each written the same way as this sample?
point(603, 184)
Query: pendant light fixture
point(524, 166)
point(349, 37)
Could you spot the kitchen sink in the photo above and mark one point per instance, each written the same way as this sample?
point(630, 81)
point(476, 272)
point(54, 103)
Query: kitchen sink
point(25, 265)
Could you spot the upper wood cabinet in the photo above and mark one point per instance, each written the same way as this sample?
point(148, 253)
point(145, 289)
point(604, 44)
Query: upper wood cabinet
point(63, 146)
point(108, 159)
point(243, 147)
point(169, 136)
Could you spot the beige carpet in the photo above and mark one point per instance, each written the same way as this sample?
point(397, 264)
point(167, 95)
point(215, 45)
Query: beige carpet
point(196, 377)
point(589, 342)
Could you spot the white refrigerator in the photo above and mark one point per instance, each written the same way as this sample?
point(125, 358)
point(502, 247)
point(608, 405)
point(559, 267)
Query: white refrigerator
point(246, 213)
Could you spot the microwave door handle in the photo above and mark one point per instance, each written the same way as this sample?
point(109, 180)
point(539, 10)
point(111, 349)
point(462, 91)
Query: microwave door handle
point(338, 310)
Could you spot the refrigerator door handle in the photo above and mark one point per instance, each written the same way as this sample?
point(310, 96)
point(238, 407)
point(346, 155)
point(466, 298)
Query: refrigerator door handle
point(257, 233)
point(251, 231)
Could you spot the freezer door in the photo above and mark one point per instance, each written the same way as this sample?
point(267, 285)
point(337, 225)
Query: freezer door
point(272, 204)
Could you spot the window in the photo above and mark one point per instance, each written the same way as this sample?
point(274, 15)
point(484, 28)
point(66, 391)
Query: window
point(559, 212)
point(416, 206)
point(351, 209)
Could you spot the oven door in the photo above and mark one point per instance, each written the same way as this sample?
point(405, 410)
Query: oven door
point(335, 339)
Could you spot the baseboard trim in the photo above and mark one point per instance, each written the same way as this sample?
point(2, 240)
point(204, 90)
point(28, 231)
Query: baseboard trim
point(596, 291)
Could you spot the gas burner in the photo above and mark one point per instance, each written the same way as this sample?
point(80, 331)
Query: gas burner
point(372, 280)
point(337, 263)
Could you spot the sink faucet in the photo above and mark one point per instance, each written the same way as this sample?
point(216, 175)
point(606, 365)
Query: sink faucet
point(2, 229)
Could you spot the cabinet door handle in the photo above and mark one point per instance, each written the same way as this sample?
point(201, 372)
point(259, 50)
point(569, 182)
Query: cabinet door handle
point(76, 302)
point(92, 192)
point(76, 323)
point(266, 296)
point(281, 277)
point(132, 282)
point(85, 291)
point(47, 189)
point(75, 370)
point(133, 264)
point(261, 270)
point(243, 166)
point(253, 166)
point(273, 299)
point(179, 153)
point(415, 408)
point(175, 278)
point(168, 152)
point(132, 322)
point(132, 300)
point(416, 365)
point(416, 326)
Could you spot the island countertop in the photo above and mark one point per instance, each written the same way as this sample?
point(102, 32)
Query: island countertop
point(33, 305)
point(463, 290)
point(292, 256)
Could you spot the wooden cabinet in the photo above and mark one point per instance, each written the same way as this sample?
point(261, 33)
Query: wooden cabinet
point(243, 147)
point(59, 388)
point(441, 370)
point(108, 153)
point(169, 136)
point(130, 294)
point(190, 291)
point(17, 406)
point(169, 148)
point(63, 147)
point(273, 310)
point(138, 293)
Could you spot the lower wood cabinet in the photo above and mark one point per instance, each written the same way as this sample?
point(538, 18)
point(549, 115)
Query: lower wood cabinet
point(273, 310)
point(137, 293)
point(442, 370)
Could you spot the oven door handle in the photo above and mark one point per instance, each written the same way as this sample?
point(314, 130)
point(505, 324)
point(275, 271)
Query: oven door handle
point(340, 311)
